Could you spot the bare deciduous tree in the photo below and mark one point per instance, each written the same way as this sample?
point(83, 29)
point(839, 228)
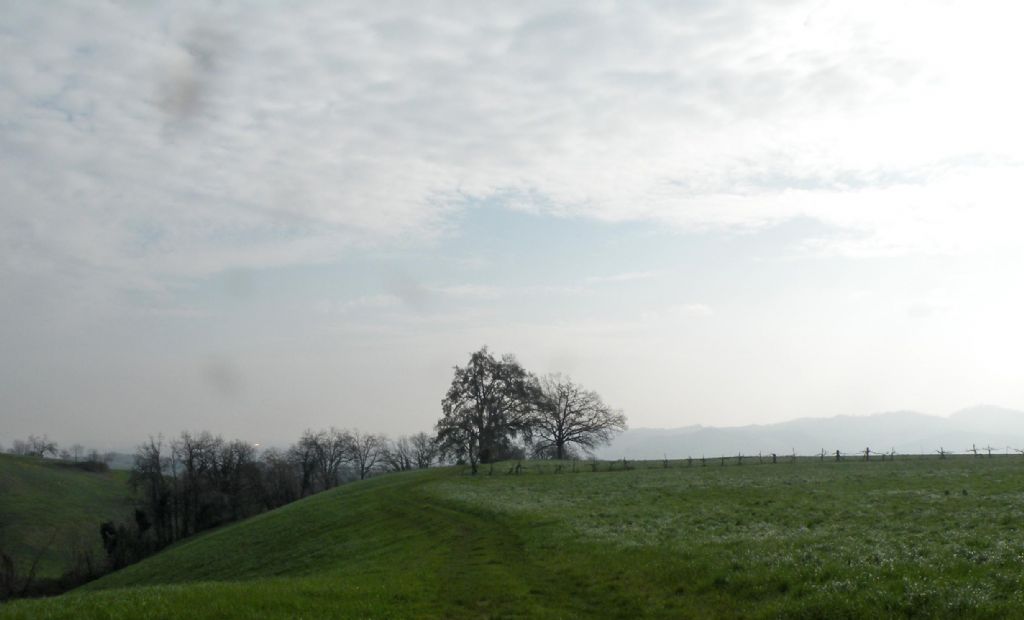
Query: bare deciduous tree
point(569, 414)
point(365, 452)
point(303, 455)
point(399, 455)
point(35, 446)
point(198, 456)
point(149, 478)
point(330, 452)
point(425, 450)
point(235, 476)
point(281, 480)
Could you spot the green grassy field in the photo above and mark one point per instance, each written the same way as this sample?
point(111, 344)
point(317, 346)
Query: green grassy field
point(51, 509)
point(914, 537)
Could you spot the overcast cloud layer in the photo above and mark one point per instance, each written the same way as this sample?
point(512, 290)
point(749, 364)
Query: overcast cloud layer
point(150, 154)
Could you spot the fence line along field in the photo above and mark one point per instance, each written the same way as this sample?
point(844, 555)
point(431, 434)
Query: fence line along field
point(805, 537)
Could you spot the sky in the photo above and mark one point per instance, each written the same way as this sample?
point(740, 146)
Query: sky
point(257, 218)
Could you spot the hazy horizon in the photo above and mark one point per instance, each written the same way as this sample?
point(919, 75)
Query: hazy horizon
point(260, 219)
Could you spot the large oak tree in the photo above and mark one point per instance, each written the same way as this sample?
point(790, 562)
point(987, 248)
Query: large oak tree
point(489, 403)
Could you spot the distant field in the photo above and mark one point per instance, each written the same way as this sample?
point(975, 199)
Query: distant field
point(811, 539)
point(51, 508)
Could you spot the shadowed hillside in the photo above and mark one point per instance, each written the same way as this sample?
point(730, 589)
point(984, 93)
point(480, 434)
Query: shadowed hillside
point(51, 510)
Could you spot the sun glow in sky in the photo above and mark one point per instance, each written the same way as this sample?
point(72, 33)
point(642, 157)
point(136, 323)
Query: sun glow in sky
point(255, 219)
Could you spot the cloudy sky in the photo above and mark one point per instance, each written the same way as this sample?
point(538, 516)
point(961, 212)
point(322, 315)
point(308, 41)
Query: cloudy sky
point(258, 218)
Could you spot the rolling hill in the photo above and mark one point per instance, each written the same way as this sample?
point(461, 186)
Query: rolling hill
point(50, 510)
point(854, 539)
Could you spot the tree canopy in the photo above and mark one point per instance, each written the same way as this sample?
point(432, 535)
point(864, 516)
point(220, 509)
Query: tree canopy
point(489, 403)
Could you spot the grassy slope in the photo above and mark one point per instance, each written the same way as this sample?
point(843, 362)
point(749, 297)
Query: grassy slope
point(44, 506)
point(810, 539)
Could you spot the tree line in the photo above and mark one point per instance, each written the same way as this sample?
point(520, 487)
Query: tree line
point(74, 456)
point(198, 480)
point(44, 447)
point(496, 410)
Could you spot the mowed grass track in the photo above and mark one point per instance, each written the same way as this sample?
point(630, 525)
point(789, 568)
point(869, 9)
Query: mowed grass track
point(50, 509)
point(914, 537)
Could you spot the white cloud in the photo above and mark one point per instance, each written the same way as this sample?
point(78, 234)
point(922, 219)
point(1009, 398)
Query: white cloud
point(622, 277)
point(149, 143)
point(674, 314)
point(364, 302)
point(695, 310)
point(470, 291)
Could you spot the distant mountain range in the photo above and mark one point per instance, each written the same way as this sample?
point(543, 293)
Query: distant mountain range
point(907, 432)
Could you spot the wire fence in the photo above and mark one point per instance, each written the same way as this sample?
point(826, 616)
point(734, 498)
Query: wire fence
point(761, 458)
